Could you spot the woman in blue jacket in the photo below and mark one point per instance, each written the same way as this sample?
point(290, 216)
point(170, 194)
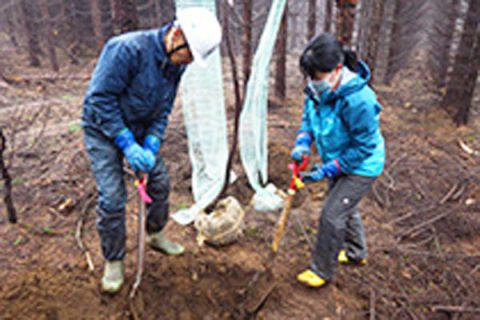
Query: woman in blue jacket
point(341, 114)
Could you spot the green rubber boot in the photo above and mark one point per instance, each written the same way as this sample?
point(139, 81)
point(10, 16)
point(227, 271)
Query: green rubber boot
point(112, 279)
point(159, 242)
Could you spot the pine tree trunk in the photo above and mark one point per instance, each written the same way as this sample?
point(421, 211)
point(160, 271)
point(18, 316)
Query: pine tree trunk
point(281, 61)
point(471, 77)
point(312, 19)
point(394, 43)
point(247, 41)
point(33, 45)
point(97, 22)
point(328, 16)
point(125, 15)
point(105, 20)
point(9, 16)
point(446, 39)
point(373, 34)
point(459, 93)
point(345, 20)
point(165, 11)
point(70, 32)
point(84, 25)
point(146, 13)
point(47, 29)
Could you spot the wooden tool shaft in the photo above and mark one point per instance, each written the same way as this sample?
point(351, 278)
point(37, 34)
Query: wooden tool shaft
point(142, 219)
point(282, 222)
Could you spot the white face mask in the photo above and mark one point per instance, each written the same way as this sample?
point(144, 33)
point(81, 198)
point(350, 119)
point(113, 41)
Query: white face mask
point(319, 86)
point(323, 85)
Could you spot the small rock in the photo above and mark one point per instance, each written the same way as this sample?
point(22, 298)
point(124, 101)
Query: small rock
point(470, 201)
point(194, 276)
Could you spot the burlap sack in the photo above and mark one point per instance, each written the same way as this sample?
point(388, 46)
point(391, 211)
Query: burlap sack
point(222, 226)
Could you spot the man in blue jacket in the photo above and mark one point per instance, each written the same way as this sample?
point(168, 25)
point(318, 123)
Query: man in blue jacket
point(125, 114)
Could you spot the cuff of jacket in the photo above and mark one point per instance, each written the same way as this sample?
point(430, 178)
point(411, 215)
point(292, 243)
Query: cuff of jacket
point(304, 138)
point(124, 139)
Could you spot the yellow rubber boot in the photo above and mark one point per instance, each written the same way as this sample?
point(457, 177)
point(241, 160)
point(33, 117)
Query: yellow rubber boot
point(344, 259)
point(311, 279)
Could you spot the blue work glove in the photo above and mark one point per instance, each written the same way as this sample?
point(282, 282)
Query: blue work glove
point(319, 171)
point(138, 158)
point(302, 146)
point(151, 144)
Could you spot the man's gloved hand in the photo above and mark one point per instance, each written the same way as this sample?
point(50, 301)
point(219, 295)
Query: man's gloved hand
point(302, 146)
point(319, 171)
point(151, 144)
point(138, 158)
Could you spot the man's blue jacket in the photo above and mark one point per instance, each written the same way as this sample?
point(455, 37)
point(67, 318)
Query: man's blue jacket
point(133, 86)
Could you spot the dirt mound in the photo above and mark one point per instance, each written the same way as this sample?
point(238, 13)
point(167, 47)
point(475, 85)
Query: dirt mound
point(210, 286)
point(55, 294)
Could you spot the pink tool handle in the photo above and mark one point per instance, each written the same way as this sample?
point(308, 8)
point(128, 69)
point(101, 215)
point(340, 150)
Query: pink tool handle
point(142, 191)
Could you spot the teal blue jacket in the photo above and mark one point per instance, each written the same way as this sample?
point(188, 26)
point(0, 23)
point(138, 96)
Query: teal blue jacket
point(345, 125)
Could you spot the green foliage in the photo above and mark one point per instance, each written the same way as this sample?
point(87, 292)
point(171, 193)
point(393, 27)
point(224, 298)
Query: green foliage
point(251, 231)
point(17, 241)
point(74, 128)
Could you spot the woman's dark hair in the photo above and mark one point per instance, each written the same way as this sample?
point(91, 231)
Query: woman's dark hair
point(324, 53)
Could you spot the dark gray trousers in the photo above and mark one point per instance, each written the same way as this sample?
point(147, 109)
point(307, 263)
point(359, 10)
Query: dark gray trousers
point(107, 165)
point(340, 225)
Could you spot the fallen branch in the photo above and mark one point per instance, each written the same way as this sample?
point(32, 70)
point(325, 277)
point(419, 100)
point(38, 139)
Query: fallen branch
point(79, 234)
point(372, 304)
point(15, 79)
point(419, 227)
point(460, 309)
point(449, 194)
point(7, 198)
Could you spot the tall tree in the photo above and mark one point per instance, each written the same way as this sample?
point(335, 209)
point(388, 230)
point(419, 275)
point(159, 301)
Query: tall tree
point(445, 14)
point(312, 19)
point(105, 19)
point(97, 22)
point(459, 95)
point(165, 11)
point(247, 41)
point(327, 27)
point(404, 36)
point(125, 15)
point(146, 13)
point(69, 32)
point(33, 44)
point(9, 14)
point(375, 23)
point(47, 29)
point(280, 87)
point(84, 26)
point(345, 20)
point(102, 21)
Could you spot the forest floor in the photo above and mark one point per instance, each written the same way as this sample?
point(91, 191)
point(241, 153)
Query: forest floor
point(422, 219)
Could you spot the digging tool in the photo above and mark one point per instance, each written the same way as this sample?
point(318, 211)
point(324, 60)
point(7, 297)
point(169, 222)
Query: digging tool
point(143, 199)
point(256, 299)
point(295, 183)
